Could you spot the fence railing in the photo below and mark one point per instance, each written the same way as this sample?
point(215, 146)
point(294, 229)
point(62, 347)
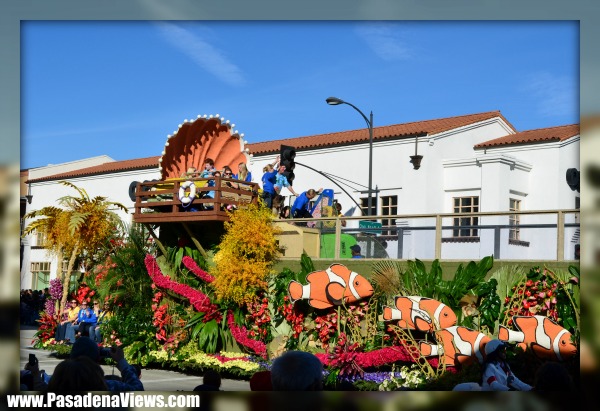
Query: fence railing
point(492, 228)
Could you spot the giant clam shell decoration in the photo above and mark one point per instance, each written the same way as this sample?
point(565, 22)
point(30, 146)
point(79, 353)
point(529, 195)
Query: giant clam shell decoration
point(206, 137)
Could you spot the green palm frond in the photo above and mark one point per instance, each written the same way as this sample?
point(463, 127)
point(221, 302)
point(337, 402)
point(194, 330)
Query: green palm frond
point(76, 221)
point(49, 211)
point(81, 191)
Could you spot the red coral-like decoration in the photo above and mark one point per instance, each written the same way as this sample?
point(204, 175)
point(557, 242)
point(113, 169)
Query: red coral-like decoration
point(193, 267)
point(199, 300)
point(377, 358)
point(240, 334)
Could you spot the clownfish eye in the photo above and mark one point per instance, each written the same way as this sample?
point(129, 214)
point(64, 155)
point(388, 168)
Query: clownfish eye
point(445, 314)
point(357, 283)
point(563, 342)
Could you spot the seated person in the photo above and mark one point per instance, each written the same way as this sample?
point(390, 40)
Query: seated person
point(300, 208)
point(85, 319)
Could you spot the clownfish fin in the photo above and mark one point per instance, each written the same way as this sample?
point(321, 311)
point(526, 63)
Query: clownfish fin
point(321, 305)
point(295, 289)
point(503, 333)
point(387, 313)
point(422, 325)
point(428, 349)
point(335, 293)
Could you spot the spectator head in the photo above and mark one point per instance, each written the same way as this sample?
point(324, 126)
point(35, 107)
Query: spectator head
point(78, 374)
point(261, 381)
point(311, 193)
point(297, 371)
point(355, 249)
point(212, 378)
point(495, 350)
point(227, 172)
point(85, 347)
point(208, 163)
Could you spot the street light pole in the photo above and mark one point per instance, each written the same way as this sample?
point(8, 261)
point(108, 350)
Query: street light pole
point(334, 101)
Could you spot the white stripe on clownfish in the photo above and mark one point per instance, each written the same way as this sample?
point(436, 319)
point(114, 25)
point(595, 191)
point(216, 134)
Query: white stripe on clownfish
point(465, 347)
point(555, 344)
point(476, 347)
point(515, 336)
point(416, 310)
point(351, 285)
point(335, 278)
point(436, 314)
point(541, 337)
point(306, 292)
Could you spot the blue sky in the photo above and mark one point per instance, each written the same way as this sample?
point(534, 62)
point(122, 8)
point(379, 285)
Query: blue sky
point(119, 88)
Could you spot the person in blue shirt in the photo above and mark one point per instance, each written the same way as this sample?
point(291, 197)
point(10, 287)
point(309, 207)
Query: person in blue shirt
point(356, 251)
point(282, 181)
point(243, 173)
point(300, 208)
point(86, 319)
point(268, 182)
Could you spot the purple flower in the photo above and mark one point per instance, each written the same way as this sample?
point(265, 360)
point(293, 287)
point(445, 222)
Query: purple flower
point(49, 307)
point(56, 289)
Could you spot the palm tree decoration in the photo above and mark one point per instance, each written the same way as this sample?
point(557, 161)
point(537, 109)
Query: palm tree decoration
point(79, 227)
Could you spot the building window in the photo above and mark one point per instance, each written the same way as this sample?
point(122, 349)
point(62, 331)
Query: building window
point(40, 275)
point(514, 220)
point(364, 205)
point(389, 206)
point(40, 240)
point(464, 226)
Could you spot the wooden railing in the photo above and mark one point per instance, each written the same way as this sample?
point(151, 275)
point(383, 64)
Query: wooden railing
point(159, 201)
point(333, 225)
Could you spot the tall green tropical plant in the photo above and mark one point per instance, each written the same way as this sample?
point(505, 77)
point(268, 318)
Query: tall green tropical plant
point(79, 226)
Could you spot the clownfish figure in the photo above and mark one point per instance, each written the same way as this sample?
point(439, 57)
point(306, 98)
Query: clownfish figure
point(547, 339)
point(420, 313)
point(458, 345)
point(334, 286)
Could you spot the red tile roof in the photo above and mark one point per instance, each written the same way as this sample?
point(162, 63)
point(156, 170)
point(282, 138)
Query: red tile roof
point(426, 127)
point(560, 133)
point(110, 167)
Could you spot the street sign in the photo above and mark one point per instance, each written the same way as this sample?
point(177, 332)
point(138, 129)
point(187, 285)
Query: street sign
point(369, 227)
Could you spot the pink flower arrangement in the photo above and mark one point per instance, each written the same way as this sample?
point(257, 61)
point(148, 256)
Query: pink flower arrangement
point(199, 300)
point(240, 334)
point(193, 267)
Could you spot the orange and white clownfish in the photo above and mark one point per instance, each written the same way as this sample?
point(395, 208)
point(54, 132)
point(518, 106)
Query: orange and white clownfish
point(420, 313)
point(334, 286)
point(458, 345)
point(547, 339)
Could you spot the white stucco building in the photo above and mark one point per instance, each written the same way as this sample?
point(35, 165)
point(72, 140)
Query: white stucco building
point(471, 163)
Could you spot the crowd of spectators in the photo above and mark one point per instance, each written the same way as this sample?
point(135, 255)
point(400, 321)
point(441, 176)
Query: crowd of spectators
point(31, 303)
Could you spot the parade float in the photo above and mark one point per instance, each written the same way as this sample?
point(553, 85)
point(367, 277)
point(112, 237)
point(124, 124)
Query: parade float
point(179, 303)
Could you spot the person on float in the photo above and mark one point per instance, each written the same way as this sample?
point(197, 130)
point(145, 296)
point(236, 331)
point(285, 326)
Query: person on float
point(497, 375)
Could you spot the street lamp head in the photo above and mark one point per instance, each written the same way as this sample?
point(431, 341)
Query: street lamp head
point(334, 101)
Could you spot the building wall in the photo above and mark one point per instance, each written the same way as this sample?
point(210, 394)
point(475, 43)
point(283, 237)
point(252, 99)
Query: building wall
point(533, 173)
point(113, 186)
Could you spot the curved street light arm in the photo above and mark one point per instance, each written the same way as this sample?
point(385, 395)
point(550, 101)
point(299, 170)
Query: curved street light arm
point(342, 188)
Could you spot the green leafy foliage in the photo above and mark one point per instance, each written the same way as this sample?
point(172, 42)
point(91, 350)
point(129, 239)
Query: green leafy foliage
point(489, 306)
point(465, 279)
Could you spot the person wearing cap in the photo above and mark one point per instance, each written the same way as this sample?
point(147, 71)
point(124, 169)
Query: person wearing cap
point(497, 375)
point(356, 251)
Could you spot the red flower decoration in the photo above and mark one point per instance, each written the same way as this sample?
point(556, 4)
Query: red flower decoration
point(193, 267)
